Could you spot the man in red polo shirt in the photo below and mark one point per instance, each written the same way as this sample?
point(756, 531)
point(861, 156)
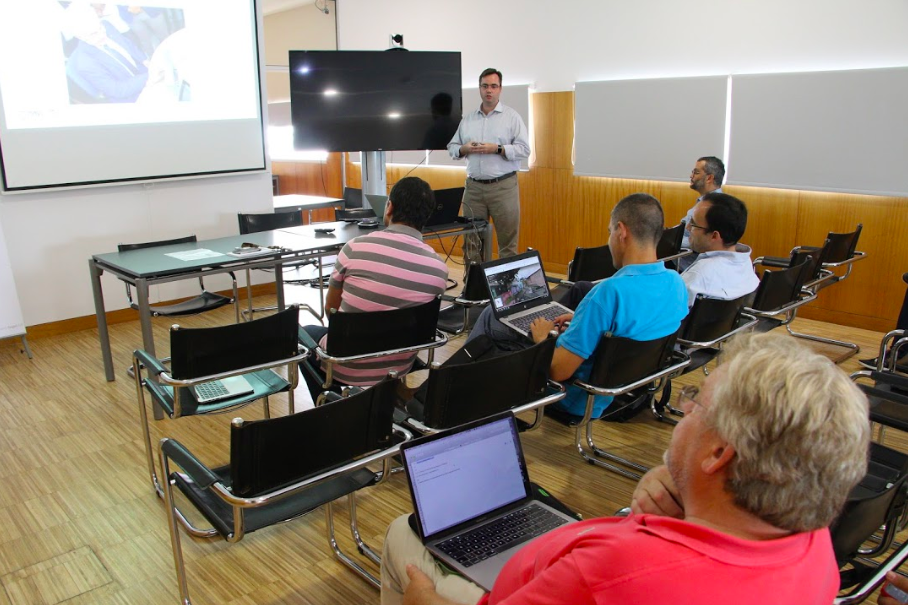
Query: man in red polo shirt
point(762, 462)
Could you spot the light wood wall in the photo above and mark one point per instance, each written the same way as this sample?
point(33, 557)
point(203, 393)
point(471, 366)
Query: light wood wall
point(560, 211)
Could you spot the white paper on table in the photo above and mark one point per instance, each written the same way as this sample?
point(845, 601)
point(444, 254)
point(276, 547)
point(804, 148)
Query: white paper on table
point(197, 254)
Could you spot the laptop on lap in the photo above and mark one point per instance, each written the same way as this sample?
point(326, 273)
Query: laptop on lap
point(519, 292)
point(472, 498)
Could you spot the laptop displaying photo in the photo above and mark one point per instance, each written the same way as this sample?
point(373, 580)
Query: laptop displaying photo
point(471, 497)
point(519, 292)
point(447, 206)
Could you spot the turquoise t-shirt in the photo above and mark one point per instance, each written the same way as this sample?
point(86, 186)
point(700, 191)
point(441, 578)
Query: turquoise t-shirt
point(640, 302)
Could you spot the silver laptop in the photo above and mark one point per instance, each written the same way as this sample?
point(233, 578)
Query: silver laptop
point(471, 496)
point(519, 292)
point(226, 388)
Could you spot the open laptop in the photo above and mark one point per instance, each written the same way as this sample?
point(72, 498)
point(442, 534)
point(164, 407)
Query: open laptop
point(226, 388)
point(471, 496)
point(519, 292)
point(447, 206)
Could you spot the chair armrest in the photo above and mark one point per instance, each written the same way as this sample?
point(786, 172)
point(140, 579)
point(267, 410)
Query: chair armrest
point(440, 340)
point(151, 363)
point(748, 324)
point(680, 360)
point(853, 259)
point(306, 340)
point(889, 378)
point(772, 261)
point(192, 466)
point(804, 297)
point(682, 253)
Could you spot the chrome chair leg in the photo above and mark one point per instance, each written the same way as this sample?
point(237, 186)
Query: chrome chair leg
point(361, 546)
point(600, 453)
point(175, 543)
point(852, 347)
point(340, 555)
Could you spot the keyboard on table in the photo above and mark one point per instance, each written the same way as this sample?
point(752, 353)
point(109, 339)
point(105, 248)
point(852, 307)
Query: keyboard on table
point(501, 534)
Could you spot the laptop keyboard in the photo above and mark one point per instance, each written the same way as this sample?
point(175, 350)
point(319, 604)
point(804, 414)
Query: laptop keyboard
point(523, 322)
point(487, 541)
point(210, 390)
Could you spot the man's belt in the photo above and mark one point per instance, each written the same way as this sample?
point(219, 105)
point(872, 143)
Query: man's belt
point(495, 180)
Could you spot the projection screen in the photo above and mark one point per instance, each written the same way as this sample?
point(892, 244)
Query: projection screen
point(98, 93)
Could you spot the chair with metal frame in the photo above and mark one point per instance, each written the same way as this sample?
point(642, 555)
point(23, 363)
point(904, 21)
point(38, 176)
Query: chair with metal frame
point(283, 468)
point(888, 396)
point(872, 516)
point(780, 294)
point(291, 274)
point(356, 337)
point(710, 323)
point(461, 392)
point(839, 250)
point(205, 301)
point(631, 372)
point(460, 316)
point(199, 355)
point(669, 249)
point(353, 197)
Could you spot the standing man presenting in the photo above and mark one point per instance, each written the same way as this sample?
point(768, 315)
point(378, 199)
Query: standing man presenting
point(706, 177)
point(494, 139)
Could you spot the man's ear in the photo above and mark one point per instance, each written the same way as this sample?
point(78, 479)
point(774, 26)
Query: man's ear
point(720, 456)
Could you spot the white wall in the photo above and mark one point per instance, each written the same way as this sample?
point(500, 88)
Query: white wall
point(555, 44)
point(51, 235)
point(302, 28)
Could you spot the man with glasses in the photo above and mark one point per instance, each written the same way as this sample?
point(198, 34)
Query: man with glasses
point(723, 267)
point(761, 463)
point(494, 140)
point(706, 177)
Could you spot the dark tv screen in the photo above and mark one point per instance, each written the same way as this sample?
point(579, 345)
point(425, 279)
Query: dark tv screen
point(374, 100)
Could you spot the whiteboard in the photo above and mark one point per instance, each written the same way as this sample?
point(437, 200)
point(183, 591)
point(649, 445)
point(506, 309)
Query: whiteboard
point(829, 131)
point(648, 129)
point(11, 322)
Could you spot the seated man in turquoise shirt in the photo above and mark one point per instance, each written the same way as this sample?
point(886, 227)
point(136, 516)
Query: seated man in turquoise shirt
point(642, 301)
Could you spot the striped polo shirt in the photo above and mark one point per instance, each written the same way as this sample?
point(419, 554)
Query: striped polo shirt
point(389, 269)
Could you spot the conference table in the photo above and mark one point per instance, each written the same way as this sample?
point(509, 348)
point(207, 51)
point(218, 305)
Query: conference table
point(305, 203)
point(146, 267)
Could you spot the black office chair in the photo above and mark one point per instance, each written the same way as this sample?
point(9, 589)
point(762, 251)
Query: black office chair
point(668, 249)
point(356, 337)
point(630, 371)
point(205, 301)
point(353, 197)
point(590, 264)
point(458, 393)
point(872, 515)
point(888, 396)
point(710, 323)
point(290, 273)
point(779, 295)
point(461, 314)
point(201, 355)
point(283, 468)
point(839, 250)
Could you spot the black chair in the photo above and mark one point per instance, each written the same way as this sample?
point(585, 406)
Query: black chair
point(461, 314)
point(353, 214)
point(290, 273)
point(283, 468)
point(888, 397)
point(839, 250)
point(458, 393)
point(353, 197)
point(590, 264)
point(373, 335)
point(887, 359)
point(710, 323)
point(205, 301)
point(871, 515)
point(630, 371)
point(779, 295)
point(251, 349)
point(668, 249)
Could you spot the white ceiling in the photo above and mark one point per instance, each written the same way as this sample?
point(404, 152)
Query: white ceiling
point(275, 6)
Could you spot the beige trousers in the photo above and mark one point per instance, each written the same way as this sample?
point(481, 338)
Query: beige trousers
point(501, 202)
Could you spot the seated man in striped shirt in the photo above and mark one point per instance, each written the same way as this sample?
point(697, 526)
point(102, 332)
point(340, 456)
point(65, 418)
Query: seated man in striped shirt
point(381, 271)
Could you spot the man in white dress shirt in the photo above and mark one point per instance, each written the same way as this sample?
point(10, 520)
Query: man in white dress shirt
point(494, 139)
point(706, 177)
point(723, 267)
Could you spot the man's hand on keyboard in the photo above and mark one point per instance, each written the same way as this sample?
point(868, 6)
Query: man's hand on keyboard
point(541, 327)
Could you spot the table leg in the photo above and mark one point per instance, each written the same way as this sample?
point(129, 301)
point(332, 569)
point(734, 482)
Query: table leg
point(487, 243)
point(101, 316)
point(279, 283)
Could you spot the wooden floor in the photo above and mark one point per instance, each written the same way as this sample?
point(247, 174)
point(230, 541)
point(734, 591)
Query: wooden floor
point(79, 522)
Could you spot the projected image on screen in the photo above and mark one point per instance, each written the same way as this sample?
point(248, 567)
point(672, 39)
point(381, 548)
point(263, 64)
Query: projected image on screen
point(117, 53)
point(97, 92)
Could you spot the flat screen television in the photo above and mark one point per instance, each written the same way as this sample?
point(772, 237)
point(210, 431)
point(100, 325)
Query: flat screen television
point(374, 100)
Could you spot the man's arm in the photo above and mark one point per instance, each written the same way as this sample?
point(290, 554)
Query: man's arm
point(458, 148)
point(656, 494)
point(519, 147)
point(333, 298)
